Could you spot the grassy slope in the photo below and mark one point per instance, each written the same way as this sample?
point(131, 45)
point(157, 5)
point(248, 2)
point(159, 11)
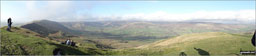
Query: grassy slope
point(25, 42)
point(18, 43)
point(215, 43)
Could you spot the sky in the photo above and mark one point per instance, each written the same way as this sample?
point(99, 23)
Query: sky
point(27, 11)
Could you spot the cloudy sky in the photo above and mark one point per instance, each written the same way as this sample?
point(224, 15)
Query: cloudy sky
point(27, 11)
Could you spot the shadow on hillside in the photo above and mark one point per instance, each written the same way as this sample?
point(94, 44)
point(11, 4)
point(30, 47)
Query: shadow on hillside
point(99, 45)
point(182, 54)
point(202, 52)
point(65, 50)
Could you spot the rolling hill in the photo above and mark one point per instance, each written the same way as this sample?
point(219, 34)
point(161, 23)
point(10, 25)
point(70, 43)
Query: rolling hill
point(156, 29)
point(210, 43)
point(46, 27)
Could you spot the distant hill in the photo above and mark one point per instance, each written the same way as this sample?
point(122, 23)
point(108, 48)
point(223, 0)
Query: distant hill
point(156, 29)
point(46, 27)
point(210, 43)
point(223, 21)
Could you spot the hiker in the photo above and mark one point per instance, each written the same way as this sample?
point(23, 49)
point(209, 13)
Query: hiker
point(73, 43)
point(70, 42)
point(67, 41)
point(9, 21)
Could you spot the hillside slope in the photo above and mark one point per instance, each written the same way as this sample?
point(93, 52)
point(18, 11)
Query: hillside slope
point(210, 43)
point(25, 42)
point(46, 27)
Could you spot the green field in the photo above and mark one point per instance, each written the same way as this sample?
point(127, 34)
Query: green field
point(212, 43)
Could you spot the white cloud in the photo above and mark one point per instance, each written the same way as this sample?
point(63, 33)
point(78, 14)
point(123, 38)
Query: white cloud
point(242, 15)
point(57, 10)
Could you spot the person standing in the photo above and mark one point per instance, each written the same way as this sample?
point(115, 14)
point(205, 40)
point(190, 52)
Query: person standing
point(70, 42)
point(253, 39)
point(9, 21)
point(67, 42)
